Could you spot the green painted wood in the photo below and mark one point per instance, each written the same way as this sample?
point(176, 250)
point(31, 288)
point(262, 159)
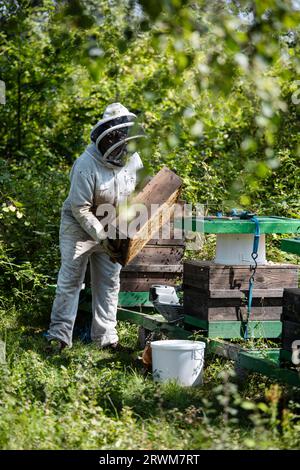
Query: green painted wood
point(267, 225)
point(273, 354)
point(126, 299)
point(134, 299)
point(285, 355)
point(152, 322)
point(147, 321)
point(291, 245)
point(193, 321)
point(236, 329)
point(270, 368)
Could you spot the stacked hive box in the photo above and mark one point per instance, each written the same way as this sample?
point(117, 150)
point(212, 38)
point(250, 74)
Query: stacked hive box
point(214, 292)
point(290, 318)
point(159, 262)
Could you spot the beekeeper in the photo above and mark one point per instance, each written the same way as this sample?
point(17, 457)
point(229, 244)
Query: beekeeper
point(104, 174)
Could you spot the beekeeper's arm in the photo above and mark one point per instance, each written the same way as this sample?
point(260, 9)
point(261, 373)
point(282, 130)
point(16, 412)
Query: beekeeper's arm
point(81, 198)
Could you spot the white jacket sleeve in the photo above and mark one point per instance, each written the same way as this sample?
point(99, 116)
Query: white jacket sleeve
point(81, 199)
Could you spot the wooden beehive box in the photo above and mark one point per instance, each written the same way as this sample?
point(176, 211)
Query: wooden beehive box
point(290, 318)
point(159, 262)
point(217, 292)
point(163, 191)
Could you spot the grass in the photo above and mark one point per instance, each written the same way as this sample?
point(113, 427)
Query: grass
point(88, 398)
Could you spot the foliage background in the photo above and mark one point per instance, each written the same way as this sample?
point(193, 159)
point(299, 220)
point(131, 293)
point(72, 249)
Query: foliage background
point(212, 83)
point(215, 83)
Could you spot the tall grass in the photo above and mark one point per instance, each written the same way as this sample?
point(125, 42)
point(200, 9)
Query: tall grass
point(88, 398)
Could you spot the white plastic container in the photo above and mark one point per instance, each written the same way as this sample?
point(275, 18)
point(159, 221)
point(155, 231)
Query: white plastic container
point(236, 249)
point(179, 360)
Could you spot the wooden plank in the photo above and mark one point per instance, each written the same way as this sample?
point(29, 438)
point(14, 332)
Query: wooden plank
point(267, 225)
point(144, 281)
point(140, 285)
point(163, 191)
point(161, 268)
point(217, 267)
point(241, 294)
point(158, 254)
point(238, 313)
point(205, 308)
point(226, 298)
point(166, 242)
point(143, 319)
point(168, 235)
point(291, 305)
point(210, 276)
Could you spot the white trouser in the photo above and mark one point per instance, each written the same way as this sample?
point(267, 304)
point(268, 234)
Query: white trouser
point(77, 248)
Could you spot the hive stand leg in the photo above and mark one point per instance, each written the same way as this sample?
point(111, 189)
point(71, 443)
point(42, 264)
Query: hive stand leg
point(143, 334)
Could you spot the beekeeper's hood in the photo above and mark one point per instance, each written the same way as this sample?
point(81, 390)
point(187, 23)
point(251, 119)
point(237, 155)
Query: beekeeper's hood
point(112, 133)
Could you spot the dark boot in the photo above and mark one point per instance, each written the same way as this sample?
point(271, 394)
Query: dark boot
point(55, 346)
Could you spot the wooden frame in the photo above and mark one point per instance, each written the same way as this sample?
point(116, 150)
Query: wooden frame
point(163, 191)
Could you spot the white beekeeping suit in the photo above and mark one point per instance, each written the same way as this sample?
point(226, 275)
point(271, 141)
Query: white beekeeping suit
point(99, 176)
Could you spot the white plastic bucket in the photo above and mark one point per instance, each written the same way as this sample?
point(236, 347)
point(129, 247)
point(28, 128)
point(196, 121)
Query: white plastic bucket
point(179, 360)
